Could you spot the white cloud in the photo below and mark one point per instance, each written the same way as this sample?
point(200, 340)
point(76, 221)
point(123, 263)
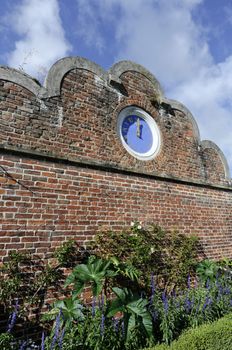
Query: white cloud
point(163, 36)
point(208, 96)
point(160, 34)
point(42, 38)
point(87, 30)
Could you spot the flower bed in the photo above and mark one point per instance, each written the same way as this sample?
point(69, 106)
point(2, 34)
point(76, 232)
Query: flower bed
point(131, 309)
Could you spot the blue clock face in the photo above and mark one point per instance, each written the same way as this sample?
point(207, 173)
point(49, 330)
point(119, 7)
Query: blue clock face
point(137, 133)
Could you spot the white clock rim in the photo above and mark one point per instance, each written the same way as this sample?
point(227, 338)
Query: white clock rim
point(156, 143)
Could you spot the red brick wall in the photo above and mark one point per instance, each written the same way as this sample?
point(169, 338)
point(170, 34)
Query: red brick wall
point(61, 201)
point(65, 173)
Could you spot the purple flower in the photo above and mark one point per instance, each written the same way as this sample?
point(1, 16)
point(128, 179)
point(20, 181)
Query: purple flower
point(102, 324)
point(115, 324)
point(57, 329)
point(152, 288)
point(207, 284)
point(17, 304)
point(154, 315)
point(13, 316)
point(220, 291)
point(173, 293)
point(42, 341)
point(206, 303)
point(101, 302)
point(123, 328)
point(93, 306)
point(61, 338)
point(11, 321)
point(188, 304)
point(22, 347)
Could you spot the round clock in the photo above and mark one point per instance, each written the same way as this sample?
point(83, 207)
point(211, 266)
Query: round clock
point(139, 133)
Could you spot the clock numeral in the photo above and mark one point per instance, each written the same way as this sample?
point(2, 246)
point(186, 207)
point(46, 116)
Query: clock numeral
point(126, 124)
point(132, 119)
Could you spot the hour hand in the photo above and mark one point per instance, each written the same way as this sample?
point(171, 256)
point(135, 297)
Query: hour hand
point(138, 128)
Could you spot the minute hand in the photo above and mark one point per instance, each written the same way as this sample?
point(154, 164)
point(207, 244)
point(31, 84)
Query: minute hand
point(138, 128)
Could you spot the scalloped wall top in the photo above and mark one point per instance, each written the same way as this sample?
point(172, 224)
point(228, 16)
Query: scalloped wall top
point(61, 68)
point(58, 70)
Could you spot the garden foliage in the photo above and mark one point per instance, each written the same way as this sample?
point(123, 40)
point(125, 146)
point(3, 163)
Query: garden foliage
point(170, 256)
point(147, 287)
point(210, 336)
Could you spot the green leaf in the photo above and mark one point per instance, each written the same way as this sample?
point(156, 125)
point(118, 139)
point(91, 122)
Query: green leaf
point(134, 311)
point(94, 272)
point(59, 304)
point(130, 326)
point(70, 279)
point(70, 308)
point(115, 307)
point(97, 288)
point(114, 260)
point(147, 322)
point(120, 293)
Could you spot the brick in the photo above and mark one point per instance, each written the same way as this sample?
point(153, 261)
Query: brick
point(63, 200)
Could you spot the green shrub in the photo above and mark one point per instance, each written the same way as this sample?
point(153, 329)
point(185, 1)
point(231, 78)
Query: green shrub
point(161, 347)
point(211, 336)
point(170, 256)
point(207, 270)
point(7, 341)
point(70, 253)
point(26, 280)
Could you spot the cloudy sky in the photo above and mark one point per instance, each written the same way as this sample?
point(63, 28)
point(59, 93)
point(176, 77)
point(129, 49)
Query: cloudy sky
point(186, 44)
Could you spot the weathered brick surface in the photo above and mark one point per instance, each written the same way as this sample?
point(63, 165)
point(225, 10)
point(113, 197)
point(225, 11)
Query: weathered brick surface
point(65, 173)
point(73, 202)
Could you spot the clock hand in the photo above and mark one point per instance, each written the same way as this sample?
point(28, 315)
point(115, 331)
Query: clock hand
point(138, 128)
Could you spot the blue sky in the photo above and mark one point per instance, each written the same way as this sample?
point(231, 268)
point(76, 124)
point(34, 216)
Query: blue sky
point(186, 44)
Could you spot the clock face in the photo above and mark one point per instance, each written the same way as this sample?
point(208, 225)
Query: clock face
point(139, 133)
